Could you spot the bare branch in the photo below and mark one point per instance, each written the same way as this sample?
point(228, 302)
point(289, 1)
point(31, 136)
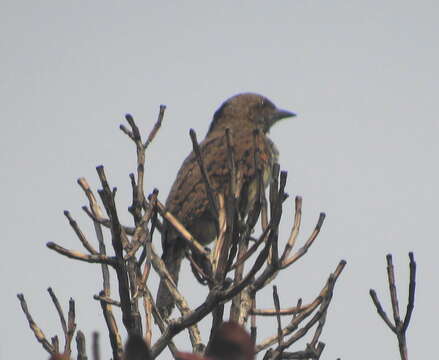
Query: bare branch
point(190, 240)
point(34, 327)
point(80, 345)
point(398, 327)
point(295, 230)
point(302, 251)
point(156, 127)
point(380, 310)
point(95, 347)
point(79, 233)
point(209, 189)
point(58, 309)
point(97, 259)
point(277, 308)
point(412, 288)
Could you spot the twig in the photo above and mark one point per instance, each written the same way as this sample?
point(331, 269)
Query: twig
point(130, 315)
point(79, 233)
point(71, 327)
point(80, 345)
point(398, 327)
point(96, 259)
point(34, 327)
point(277, 308)
point(190, 240)
point(95, 346)
point(156, 127)
point(180, 301)
point(412, 288)
point(113, 331)
point(295, 230)
point(58, 309)
point(297, 319)
point(209, 189)
point(303, 250)
point(107, 300)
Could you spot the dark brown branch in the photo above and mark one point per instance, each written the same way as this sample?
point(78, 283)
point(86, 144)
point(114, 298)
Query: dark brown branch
point(129, 230)
point(158, 319)
point(156, 127)
point(58, 309)
point(398, 327)
point(79, 233)
point(80, 345)
point(71, 327)
point(380, 310)
point(134, 134)
point(55, 343)
point(113, 331)
point(130, 316)
point(258, 170)
point(412, 288)
point(95, 347)
point(139, 235)
point(277, 308)
point(209, 189)
point(252, 248)
point(392, 289)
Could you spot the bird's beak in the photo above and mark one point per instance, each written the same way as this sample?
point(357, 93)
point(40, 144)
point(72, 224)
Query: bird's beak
point(277, 115)
point(282, 114)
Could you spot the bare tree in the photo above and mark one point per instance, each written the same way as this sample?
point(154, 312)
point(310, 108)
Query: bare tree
point(243, 261)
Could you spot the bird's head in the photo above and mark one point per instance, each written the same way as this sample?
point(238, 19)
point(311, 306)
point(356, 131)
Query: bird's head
point(136, 349)
point(249, 110)
point(231, 342)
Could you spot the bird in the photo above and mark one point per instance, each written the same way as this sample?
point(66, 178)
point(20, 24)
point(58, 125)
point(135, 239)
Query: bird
point(58, 356)
point(230, 342)
point(136, 349)
point(242, 114)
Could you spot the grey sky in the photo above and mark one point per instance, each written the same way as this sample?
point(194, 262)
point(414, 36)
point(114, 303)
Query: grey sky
point(362, 76)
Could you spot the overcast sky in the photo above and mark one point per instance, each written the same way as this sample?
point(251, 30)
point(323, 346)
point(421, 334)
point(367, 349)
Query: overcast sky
point(361, 75)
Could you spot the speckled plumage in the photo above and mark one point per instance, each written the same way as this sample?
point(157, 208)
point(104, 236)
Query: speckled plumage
point(187, 200)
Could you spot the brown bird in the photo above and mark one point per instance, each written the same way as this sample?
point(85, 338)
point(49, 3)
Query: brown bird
point(58, 356)
point(230, 342)
point(190, 356)
point(136, 349)
point(187, 200)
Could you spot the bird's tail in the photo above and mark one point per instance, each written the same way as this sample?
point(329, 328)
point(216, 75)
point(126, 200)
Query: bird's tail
point(172, 258)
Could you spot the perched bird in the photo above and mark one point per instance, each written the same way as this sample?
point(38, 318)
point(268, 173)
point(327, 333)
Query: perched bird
point(136, 349)
point(231, 342)
point(187, 200)
point(58, 356)
point(189, 356)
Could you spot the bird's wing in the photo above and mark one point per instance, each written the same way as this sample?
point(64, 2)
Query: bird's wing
point(187, 199)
